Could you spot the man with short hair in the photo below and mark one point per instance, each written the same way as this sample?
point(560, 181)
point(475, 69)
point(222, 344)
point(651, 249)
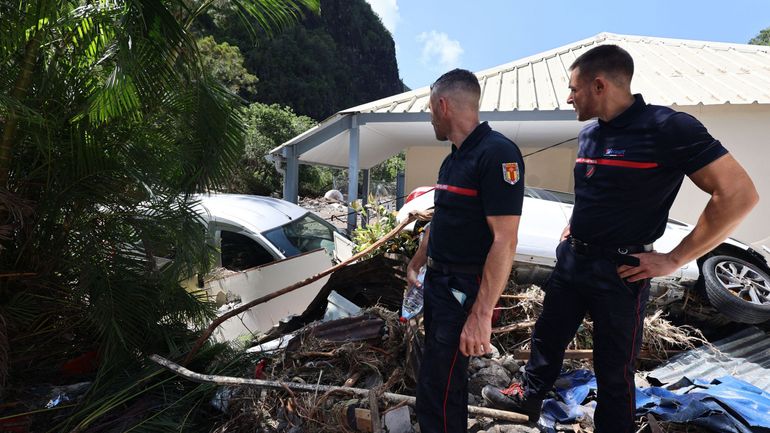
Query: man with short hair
point(630, 165)
point(468, 249)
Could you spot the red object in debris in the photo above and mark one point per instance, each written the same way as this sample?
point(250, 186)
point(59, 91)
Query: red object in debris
point(259, 369)
point(496, 313)
point(16, 424)
point(418, 192)
point(83, 364)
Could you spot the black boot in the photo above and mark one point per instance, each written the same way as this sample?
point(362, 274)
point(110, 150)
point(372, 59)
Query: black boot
point(512, 399)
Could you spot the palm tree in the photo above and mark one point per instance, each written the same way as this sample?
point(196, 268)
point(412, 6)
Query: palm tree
point(109, 126)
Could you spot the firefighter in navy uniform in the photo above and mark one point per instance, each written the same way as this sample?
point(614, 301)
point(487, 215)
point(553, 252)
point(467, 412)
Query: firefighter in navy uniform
point(468, 248)
point(630, 165)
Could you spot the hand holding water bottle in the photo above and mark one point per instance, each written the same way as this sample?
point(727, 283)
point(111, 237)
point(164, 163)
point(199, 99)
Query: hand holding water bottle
point(413, 298)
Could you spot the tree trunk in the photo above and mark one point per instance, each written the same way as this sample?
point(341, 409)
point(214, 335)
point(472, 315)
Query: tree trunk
point(18, 93)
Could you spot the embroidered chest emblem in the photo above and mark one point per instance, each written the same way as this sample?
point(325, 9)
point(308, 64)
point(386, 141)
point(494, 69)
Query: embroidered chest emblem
point(511, 172)
point(615, 152)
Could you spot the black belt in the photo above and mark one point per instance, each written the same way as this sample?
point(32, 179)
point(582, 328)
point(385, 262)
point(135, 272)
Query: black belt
point(451, 268)
point(619, 255)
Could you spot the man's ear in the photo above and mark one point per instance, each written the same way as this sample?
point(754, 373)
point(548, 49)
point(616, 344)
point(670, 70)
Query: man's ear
point(599, 84)
point(443, 105)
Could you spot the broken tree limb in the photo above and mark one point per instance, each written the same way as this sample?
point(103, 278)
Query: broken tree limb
point(304, 387)
point(517, 297)
point(375, 410)
point(514, 327)
point(245, 307)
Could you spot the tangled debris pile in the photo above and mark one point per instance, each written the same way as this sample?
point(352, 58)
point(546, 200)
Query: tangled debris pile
point(363, 352)
point(373, 351)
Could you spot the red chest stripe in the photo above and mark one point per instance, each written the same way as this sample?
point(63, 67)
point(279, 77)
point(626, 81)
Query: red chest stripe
point(618, 163)
point(457, 190)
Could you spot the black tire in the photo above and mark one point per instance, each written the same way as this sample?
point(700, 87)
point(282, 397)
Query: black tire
point(738, 289)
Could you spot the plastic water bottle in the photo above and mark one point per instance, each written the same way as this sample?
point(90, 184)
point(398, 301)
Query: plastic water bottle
point(412, 305)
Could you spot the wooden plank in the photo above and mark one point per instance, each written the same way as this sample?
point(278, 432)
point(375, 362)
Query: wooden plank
point(363, 420)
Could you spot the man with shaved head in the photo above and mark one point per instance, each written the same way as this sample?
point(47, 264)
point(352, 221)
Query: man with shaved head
point(630, 164)
point(468, 248)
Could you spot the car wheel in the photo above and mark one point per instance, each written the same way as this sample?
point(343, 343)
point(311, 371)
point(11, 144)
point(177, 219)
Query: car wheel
point(738, 289)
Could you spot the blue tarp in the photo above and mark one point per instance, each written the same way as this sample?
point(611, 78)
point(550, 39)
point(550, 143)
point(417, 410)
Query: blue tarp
point(725, 404)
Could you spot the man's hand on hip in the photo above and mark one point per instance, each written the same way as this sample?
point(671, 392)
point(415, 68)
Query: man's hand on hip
point(651, 265)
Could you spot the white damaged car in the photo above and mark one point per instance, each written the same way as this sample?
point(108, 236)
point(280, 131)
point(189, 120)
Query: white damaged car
point(735, 277)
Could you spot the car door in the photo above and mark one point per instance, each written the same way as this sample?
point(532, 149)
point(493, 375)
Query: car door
point(238, 249)
point(543, 219)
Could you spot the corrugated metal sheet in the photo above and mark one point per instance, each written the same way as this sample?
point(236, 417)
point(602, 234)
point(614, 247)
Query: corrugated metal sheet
point(744, 355)
point(668, 72)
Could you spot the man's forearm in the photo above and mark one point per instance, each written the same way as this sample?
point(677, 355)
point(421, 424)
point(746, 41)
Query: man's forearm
point(497, 269)
point(721, 216)
point(420, 257)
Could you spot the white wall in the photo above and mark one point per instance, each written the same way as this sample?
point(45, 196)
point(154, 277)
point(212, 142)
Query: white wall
point(551, 169)
point(422, 164)
point(745, 131)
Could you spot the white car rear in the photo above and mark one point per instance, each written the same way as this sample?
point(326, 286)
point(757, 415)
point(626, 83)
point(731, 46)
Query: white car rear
point(732, 268)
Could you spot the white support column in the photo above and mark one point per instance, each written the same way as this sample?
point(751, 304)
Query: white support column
point(353, 172)
point(291, 176)
point(365, 186)
point(364, 193)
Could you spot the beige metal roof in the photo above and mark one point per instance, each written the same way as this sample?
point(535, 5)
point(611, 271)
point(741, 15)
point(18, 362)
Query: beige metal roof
point(668, 72)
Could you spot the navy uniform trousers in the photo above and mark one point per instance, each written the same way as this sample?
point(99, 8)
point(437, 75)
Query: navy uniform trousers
point(442, 385)
point(583, 284)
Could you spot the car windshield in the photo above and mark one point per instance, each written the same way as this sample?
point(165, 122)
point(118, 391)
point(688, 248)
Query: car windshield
point(304, 234)
point(550, 195)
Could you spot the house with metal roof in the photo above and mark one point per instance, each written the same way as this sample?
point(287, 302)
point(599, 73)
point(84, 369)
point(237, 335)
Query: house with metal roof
point(726, 86)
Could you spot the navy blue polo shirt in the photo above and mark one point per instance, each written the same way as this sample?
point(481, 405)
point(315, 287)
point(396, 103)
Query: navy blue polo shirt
point(483, 177)
point(629, 170)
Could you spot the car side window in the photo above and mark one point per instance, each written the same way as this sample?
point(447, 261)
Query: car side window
point(240, 252)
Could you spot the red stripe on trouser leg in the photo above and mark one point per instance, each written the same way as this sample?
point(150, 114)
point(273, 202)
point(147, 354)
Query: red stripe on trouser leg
point(630, 382)
point(446, 392)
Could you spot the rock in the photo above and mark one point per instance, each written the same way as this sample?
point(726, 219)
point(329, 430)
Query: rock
point(494, 374)
point(334, 194)
point(517, 428)
point(478, 425)
point(473, 425)
point(510, 364)
point(477, 364)
point(398, 420)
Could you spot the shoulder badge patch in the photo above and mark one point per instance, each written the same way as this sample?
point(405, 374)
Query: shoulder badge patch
point(511, 172)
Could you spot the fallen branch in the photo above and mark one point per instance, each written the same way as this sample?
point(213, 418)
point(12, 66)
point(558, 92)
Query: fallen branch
point(304, 387)
point(245, 307)
point(514, 327)
point(18, 274)
point(517, 297)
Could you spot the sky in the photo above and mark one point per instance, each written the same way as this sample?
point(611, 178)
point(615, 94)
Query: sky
point(434, 36)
